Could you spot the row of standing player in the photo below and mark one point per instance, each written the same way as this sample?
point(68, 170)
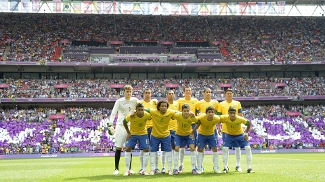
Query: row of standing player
point(126, 105)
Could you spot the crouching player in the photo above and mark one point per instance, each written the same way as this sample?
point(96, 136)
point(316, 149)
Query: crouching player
point(183, 136)
point(137, 133)
point(206, 126)
point(160, 134)
point(235, 137)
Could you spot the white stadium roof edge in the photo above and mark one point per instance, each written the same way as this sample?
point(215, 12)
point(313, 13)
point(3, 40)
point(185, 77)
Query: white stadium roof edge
point(288, 2)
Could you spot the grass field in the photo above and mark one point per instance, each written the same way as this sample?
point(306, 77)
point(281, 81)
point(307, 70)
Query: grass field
point(268, 167)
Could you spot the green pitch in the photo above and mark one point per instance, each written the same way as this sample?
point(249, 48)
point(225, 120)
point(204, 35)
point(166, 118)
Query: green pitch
point(268, 167)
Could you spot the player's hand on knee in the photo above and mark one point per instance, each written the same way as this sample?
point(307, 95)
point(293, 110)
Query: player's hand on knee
point(246, 136)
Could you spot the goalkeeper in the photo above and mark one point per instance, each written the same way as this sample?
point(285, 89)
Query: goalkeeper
point(123, 106)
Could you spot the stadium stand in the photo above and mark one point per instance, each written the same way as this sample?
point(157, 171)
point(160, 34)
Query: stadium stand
point(52, 125)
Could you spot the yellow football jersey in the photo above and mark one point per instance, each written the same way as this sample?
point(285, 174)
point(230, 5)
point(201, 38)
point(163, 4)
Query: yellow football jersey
point(161, 122)
point(191, 103)
point(137, 124)
point(202, 105)
point(173, 122)
point(149, 105)
point(233, 127)
point(207, 127)
point(184, 126)
point(223, 109)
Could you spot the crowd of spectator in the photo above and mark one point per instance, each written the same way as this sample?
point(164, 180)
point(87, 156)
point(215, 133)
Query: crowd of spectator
point(100, 88)
point(38, 37)
point(140, 28)
point(85, 129)
point(25, 37)
point(290, 39)
point(178, 28)
point(238, 36)
point(41, 114)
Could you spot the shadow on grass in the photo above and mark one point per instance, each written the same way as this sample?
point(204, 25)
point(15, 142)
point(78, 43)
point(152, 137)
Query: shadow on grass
point(137, 177)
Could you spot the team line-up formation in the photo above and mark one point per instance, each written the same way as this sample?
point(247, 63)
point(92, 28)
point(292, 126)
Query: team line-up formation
point(173, 125)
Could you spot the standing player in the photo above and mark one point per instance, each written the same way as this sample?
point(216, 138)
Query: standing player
point(191, 102)
point(235, 137)
point(122, 107)
point(206, 126)
point(183, 137)
point(137, 133)
point(223, 109)
point(148, 103)
point(173, 105)
point(203, 104)
point(160, 134)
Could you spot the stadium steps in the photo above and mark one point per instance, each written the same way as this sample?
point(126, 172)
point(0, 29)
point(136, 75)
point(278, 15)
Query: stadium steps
point(320, 42)
point(211, 36)
point(267, 45)
point(5, 54)
point(224, 51)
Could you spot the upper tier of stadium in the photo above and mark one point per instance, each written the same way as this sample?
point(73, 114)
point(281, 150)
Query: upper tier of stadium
point(41, 37)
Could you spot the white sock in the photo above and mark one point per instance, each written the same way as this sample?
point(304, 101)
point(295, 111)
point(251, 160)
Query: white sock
point(156, 160)
point(127, 160)
point(193, 159)
point(145, 160)
point(153, 156)
point(225, 154)
point(176, 155)
point(199, 159)
point(203, 157)
point(163, 158)
point(248, 156)
point(215, 159)
point(173, 153)
point(141, 159)
point(169, 160)
point(181, 155)
point(238, 155)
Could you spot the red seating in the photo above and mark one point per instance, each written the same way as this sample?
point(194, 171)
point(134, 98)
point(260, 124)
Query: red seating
point(224, 52)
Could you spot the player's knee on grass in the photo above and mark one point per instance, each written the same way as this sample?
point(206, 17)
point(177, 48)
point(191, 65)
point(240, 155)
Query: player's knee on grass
point(145, 150)
point(177, 148)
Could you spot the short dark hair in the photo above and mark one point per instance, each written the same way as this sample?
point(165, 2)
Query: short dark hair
point(185, 106)
point(161, 102)
point(209, 109)
point(186, 88)
point(206, 90)
point(139, 105)
point(228, 90)
point(232, 108)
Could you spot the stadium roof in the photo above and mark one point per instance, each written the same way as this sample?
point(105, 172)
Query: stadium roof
point(300, 2)
point(288, 2)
